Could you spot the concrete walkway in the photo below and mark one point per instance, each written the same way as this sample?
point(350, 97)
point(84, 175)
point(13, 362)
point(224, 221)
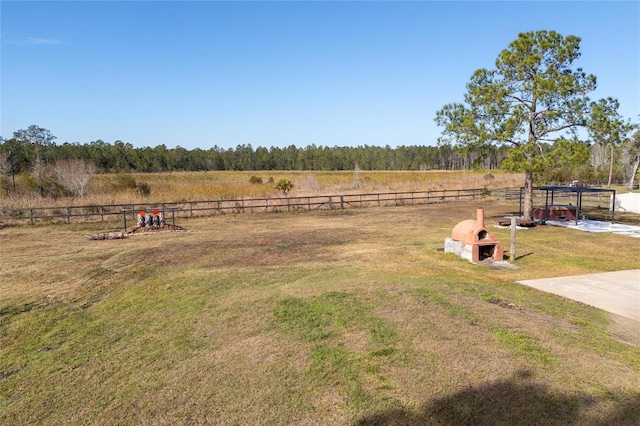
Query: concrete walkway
point(615, 292)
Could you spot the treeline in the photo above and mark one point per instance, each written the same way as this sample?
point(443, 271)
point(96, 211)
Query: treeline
point(49, 168)
point(21, 154)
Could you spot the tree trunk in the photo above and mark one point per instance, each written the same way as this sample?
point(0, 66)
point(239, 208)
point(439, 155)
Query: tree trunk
point(610, 167)
point(528, 195)
point(528, 174)
point(636, 163)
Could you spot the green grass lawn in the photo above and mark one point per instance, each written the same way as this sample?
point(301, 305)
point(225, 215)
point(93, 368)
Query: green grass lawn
point(324, 317)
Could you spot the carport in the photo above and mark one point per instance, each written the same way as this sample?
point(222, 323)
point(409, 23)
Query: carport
point(551, 191)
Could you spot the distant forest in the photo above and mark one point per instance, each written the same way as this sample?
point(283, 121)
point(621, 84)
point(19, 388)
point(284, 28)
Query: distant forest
point(21, 154)
point(34, 152)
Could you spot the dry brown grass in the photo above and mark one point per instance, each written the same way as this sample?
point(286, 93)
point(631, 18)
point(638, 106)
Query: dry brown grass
point(194, 186)
point(326, 317)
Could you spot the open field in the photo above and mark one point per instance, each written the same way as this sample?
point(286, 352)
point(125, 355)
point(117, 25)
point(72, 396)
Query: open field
point(192, 186)
point(323, 317)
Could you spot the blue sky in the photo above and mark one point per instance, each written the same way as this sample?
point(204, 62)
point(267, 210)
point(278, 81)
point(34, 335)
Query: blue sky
point(205, 73)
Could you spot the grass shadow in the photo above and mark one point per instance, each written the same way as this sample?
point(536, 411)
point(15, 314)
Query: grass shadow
point(506, 256)
point(515, 401)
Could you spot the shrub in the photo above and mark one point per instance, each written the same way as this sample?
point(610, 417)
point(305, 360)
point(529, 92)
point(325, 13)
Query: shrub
point(255, 179)
point(30, 182)
point(144, 188)
point(284, 185)
point(124, 181)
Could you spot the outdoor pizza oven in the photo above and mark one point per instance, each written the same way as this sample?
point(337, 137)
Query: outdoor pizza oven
point(472, 241)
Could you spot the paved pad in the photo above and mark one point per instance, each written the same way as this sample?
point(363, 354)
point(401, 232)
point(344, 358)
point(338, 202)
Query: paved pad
point(615, 292)
point(599, 226)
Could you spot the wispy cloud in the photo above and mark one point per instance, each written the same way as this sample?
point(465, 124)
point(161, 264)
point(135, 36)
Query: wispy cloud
point(35, 41)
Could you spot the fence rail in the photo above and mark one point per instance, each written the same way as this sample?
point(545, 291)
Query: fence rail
point(507, 194)
point(212, 207)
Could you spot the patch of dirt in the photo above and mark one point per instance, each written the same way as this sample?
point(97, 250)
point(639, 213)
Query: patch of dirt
point(106, 236)
point(153, 229)
point(625, 330)
point(504, 304)
point(268, 248)
point(500, 265)
point(134, 231)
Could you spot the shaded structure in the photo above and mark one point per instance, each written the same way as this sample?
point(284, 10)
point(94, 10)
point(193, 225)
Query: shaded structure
point(565, 212)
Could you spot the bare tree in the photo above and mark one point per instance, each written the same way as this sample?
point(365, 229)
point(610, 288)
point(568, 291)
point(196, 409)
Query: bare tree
point(7, 167)
point(599, 157)
point(41, 139)
point(5, 164)
point(631, 154)
point(74, 174)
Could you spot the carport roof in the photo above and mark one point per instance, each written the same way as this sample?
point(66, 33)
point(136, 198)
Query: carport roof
point(560, 188)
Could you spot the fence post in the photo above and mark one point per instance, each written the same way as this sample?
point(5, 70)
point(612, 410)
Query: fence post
point(68, 214)
point(101, 213)
point(342, 202)
point(512, 247)
point(520, 203)
point(31, 215)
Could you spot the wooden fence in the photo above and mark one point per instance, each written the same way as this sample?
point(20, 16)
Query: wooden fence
point(212, 207)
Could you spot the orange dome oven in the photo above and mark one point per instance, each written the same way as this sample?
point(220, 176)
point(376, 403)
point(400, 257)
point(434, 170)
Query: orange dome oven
point(472, 241)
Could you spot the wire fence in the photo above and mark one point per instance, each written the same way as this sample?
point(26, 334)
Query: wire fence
point(243, 205)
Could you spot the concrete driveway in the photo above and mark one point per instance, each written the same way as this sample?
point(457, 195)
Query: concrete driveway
point(615, 292)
